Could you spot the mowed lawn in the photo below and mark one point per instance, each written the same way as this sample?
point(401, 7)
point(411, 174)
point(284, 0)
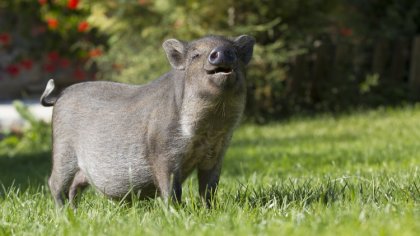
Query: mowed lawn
point(352, 175)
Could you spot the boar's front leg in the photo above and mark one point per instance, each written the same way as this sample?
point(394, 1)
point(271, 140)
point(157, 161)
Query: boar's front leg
point(168, 180)
point(208, 179)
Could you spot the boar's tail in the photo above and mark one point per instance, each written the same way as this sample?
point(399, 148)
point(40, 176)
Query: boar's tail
point(46, 100)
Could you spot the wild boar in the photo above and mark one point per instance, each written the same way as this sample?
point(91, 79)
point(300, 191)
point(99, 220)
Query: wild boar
point(146, 139)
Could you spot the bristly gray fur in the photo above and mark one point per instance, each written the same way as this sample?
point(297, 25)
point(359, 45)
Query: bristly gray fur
point(147, 139)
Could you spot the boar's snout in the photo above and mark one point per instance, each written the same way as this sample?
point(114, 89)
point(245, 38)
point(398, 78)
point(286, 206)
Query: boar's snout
point(222, 57)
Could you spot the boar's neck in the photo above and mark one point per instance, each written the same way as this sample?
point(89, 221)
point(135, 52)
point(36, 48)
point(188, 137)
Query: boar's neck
point(201, 112)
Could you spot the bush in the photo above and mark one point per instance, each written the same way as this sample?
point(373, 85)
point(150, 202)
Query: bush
point(34, 137)
point(47, 39)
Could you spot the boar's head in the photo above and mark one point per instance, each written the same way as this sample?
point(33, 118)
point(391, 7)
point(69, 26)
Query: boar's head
point(212, 64)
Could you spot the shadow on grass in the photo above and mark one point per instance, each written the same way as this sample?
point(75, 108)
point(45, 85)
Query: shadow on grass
point(292, 140)
point(25, 170)
point(327, 191)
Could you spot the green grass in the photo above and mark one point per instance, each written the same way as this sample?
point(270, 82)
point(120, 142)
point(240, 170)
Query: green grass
point(352, 175)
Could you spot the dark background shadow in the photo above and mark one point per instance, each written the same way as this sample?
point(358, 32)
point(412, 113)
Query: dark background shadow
point(24, 171)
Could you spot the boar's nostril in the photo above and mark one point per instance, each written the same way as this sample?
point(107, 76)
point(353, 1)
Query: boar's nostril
point(214, 55)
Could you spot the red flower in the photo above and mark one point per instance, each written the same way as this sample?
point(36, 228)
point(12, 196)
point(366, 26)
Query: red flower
point(95, 52)
point(42, 2)
point(49, 67)
point(83, 26)
point(346, 32)
point(5, 38)
point(52, 23)
point(64, 63)
point(26, 64)
point(37, 30)
point(53, 56)
point(12, 70)
point(79, 74)
point(142, 2)
point(72, 4)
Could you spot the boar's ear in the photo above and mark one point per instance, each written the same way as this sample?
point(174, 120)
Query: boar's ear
point(245, 45)
point(175, 51)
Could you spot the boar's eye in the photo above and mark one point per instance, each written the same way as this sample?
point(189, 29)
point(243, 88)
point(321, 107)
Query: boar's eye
point(195, 55)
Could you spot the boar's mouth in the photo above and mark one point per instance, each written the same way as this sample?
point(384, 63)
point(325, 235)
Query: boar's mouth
point(222, 70)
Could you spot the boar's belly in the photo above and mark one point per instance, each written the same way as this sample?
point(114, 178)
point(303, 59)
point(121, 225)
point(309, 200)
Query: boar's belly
point(115, 176)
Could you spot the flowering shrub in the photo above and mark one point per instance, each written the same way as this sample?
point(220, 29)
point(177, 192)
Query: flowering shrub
point(43, 39)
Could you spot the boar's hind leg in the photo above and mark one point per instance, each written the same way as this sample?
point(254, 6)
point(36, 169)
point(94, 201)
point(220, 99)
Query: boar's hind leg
point(80, 182)
point(63, 172)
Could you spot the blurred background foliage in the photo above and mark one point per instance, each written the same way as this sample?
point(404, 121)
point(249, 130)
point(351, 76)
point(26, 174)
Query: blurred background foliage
point(311, 55)
point(41, 39)
point(34, 137)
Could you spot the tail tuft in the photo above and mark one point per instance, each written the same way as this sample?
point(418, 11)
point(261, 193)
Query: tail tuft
point(45, 99)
